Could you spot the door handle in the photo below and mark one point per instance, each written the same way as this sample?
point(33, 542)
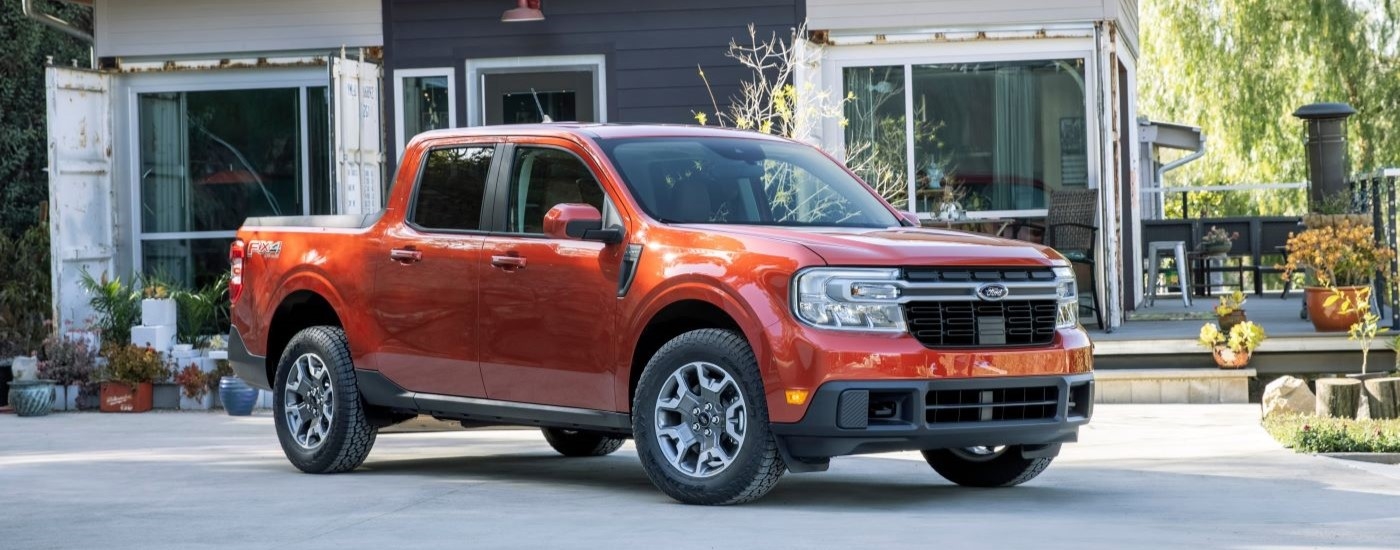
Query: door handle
point(406, 255)
point(508, 263)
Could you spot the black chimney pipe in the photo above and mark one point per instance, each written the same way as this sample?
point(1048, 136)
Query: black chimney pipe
point(1328, 163)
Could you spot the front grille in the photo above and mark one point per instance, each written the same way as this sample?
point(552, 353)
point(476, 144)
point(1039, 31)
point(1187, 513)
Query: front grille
point(977, 274)
point(959, 324)
point(991, 405)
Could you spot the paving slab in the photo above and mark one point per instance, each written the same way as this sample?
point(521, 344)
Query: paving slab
point(1143, 476)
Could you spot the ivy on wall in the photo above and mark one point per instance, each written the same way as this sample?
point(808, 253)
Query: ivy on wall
point(23, 145)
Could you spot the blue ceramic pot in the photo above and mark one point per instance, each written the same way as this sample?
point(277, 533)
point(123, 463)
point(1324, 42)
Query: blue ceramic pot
point(31, 397)
point(238, 397)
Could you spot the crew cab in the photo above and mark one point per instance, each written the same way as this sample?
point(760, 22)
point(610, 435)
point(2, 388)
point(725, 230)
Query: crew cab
point(738, 304)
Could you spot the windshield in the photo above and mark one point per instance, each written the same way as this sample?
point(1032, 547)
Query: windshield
point(743, 181)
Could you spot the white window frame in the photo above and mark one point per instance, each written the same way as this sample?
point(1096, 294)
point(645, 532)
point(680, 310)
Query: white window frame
point(838, 58)
point(400, 75)
point(477, 69)
point(131, 87)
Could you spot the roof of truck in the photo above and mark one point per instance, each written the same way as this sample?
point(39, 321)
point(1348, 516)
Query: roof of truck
point(596, 131)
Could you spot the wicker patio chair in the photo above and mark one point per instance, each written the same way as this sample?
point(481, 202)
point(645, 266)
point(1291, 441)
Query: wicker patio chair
point(1070, 228)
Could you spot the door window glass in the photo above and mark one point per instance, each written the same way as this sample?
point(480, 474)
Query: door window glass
point(451, 188)
point(543, 178)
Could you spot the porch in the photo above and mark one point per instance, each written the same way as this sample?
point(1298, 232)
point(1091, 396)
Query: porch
point(1163, 336)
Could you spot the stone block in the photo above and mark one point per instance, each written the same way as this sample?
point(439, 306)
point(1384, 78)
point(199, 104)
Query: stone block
point(1175, 391)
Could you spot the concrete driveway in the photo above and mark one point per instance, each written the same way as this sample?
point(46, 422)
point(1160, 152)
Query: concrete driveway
point(1144, 476)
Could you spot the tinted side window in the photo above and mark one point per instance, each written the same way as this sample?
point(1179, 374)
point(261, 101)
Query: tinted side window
point(452, 187)
point(543, 178)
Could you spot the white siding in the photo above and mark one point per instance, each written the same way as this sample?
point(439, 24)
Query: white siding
point(915, 14)
point(1127, 17)
point(134, 28)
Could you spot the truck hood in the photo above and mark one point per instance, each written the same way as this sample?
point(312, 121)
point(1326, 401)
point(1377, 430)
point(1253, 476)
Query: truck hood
point(901, 246)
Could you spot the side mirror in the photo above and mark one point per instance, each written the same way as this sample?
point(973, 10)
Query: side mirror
point(911, 218)
point(580, 222)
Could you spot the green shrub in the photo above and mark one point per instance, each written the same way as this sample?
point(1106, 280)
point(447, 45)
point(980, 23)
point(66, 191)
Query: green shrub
point(118, 307)
point(25, 300)
point(1314, 434)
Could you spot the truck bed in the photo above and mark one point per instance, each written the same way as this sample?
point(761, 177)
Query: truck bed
point(345, 221)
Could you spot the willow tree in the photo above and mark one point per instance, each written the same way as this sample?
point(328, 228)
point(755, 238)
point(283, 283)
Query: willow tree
point(1239, 68)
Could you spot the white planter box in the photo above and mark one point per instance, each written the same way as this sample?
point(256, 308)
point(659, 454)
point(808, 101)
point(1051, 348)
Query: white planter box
point(201, 404)
point(65, 398)
point(159, 337)
point(218, 354)
point(264, 400)
point(158, 312)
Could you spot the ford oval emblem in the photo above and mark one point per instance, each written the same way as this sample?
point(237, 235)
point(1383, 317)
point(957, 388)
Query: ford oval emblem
point(992, 292)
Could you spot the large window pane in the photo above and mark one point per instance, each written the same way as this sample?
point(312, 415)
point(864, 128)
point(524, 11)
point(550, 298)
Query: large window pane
point(543, 178)
point(190, 262)
point(875, 129)
point(209, 160)
point(425, 105)
point(1008, 133)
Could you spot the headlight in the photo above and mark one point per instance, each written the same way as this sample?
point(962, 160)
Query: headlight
point(1067, 292)
point(848, 299)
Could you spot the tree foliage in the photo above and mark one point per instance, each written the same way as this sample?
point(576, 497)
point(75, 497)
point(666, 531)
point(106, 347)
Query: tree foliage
point(1239, 68)
point(23, 143)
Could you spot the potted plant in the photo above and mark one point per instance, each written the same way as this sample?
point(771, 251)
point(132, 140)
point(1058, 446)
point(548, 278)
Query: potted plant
point(31, 397)
point(194, 388)
point(1230, 311)
point(1343, 257)
point(1218, 241)
point(131, 370)
point(237, 396)
point(69, 363)
point(117, 304)
point(1233, 349)
point(213, 377)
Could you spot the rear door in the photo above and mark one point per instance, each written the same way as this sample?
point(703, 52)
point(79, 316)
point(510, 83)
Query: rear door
point(548, 305)
point(426, 296)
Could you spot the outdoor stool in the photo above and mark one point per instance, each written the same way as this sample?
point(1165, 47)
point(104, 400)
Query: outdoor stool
point(1177, 251)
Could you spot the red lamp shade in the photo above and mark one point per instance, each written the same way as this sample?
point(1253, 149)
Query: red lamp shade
point(525, 10)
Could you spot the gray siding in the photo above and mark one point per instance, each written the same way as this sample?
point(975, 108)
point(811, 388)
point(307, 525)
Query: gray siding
point(134, 28)
point(651, 49)
point(1127, 17)
point(885, 14)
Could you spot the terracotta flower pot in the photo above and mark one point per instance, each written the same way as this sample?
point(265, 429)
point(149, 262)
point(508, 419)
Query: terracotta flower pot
point(122, 397)
point(1327, 318)
point(1226, 358)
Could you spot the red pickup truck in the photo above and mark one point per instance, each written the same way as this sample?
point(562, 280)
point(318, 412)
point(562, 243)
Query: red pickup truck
point(737, 304)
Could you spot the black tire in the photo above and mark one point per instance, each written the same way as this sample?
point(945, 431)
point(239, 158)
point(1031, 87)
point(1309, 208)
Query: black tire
point(350, 436)
point(581, 442)
point(1005, 469)
point(756, 465)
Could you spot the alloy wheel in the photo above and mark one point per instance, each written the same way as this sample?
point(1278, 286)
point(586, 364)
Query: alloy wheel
point(701, 419)
point(308, 401)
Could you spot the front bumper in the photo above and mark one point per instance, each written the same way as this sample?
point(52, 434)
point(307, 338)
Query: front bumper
point(854, 417)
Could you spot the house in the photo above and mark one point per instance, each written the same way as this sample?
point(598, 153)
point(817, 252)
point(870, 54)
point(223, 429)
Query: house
point(213, 111)
point(1019, 99)
point(199, 114)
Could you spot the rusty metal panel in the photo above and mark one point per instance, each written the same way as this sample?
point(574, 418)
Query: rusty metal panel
point(358, 138)
point(80, 185)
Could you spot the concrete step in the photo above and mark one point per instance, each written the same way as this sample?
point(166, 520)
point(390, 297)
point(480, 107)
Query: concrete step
point(1152, 386)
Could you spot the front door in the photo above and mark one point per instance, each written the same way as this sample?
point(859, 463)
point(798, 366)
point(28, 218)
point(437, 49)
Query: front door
point(425, 292)
point(547, 305)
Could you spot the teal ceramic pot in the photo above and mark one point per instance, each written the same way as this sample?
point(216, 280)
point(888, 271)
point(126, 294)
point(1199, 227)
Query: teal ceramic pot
point(31, 397)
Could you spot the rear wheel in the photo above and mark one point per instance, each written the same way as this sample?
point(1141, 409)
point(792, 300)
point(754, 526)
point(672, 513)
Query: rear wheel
point(701, 423)
point(985, 466)
point(581, 442)
point(317, 409)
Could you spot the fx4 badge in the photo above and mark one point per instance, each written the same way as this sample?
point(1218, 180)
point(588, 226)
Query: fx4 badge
point(267, 249)
point(992, 292)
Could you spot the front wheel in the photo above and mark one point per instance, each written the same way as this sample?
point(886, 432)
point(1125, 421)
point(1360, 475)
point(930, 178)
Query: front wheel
point(985, 466)
point(701, 423)
point(319, 417)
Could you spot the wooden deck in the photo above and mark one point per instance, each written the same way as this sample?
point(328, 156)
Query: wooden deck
point(1164, 336)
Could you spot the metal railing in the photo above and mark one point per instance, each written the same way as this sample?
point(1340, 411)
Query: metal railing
point(1375, 193)
point(1185, 192)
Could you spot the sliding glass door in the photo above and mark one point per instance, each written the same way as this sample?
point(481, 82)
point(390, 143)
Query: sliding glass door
point(208, 160)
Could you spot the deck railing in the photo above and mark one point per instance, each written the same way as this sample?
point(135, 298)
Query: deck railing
point(1375, 193)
